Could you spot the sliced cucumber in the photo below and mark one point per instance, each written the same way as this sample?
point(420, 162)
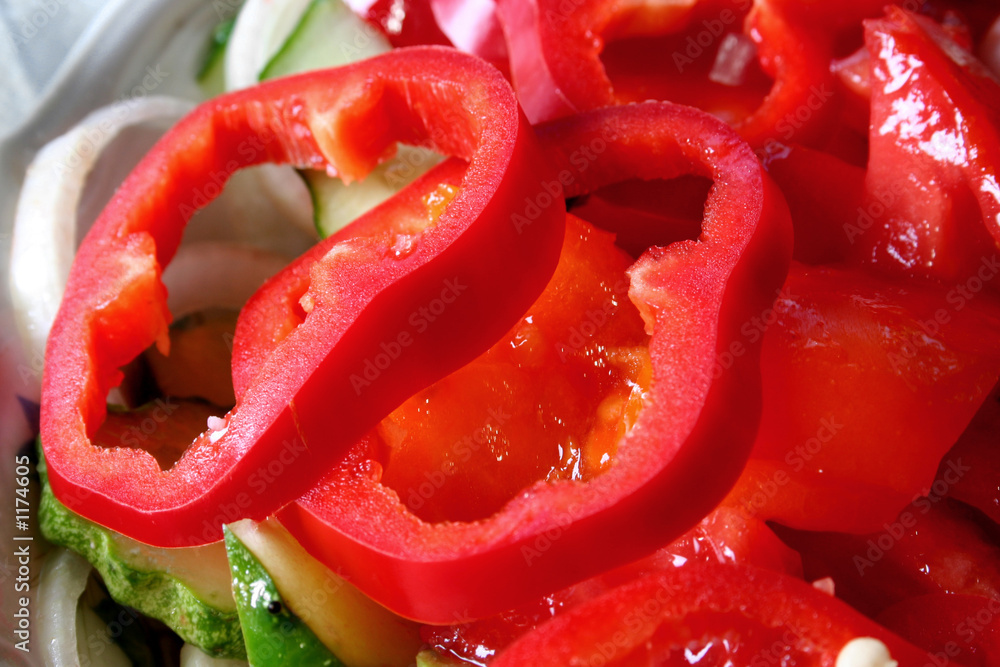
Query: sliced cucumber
point(187, 588)
point(329, 34)
point(274, 635)
point(335, 205)
point(358, 630)
point(212, 75)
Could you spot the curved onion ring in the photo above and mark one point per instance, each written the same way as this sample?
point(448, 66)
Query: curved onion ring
point(44, 239)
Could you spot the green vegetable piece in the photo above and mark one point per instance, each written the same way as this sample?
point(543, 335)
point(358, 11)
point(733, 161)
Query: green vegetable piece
point(336, 205)
point(187, 589)
point(212, 75)
point(274, 635)
point(329, 34)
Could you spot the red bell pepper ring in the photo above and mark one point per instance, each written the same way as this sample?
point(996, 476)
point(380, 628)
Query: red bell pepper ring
point(555, 51)
point(344, 120)
point(275, 311)
point(689, 443)
point(932, 204)
point(771, 616)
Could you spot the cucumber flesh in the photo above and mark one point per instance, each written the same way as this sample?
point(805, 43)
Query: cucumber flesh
point(336, 205)
point(358, 630)
point(186, 588)
point(212, 75)
point(329, 34)
point(274, 635)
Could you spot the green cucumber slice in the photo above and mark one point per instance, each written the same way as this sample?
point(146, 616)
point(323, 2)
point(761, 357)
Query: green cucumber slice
point(188, 588)
point(212, 75)
point(335, 205)
point(359, 631)
point(274, 636)
point(329, 34)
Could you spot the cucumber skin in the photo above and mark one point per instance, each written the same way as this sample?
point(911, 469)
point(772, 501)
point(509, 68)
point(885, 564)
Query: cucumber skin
point(154, 594)
point(275, 639)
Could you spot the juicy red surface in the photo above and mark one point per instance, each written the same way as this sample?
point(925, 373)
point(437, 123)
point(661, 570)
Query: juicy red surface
point(724, 536)
point(868, 382)
point(935, 545)
point(953, 627)
point(547, 401)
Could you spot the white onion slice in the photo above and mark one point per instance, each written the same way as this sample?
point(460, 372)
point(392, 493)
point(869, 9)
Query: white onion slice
point(44, 239)
point(261, 28)
point(284, 188)
point(214, 274)
point(192, 656)
point(65, 632)
point(63, 578)
point(94, 643)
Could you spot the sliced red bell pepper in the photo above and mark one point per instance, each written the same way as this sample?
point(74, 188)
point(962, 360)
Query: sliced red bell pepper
point(822, 193)
point(555, 49)
point(935, 545)
point(565, 57)
point(689, 442)
point(724, 536)
point(867, 384)
point(705, 613)
point(951, 627)
point(977, 447)
point(275, 310)
point(932, 205)
point(491, 262)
